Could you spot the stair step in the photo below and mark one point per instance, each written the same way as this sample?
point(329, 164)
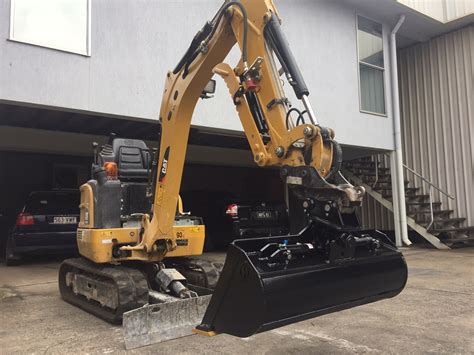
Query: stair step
point(442, 222)
point(453, 220)
point(458, 240)
point(374, 174)
point(367, 170)
point(383, 188)
point(419, 203)
point(435, 212)
point(425, 218)
point(407, 189)
point(358, 164)
point(371, 181)
point(421, 196)
point(454, 229)
point(410, 196)
point(369, 159)
point(373, 177)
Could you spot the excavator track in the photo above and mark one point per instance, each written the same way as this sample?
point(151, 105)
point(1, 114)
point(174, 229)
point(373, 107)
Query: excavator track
point(107, 291)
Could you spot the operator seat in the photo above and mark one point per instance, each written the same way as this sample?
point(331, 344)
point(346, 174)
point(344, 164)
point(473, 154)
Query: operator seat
point(132, 157)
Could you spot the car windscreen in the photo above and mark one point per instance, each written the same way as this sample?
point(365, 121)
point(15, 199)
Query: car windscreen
point(53, 203)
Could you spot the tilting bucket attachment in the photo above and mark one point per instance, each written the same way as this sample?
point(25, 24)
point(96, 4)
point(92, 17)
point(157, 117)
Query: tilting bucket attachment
point(271, 282)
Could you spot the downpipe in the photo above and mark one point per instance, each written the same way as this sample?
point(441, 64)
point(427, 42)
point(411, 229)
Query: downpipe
point(400, 214)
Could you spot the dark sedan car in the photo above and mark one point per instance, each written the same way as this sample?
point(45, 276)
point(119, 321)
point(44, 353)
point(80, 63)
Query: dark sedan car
point(47, 222)
point(228, 217)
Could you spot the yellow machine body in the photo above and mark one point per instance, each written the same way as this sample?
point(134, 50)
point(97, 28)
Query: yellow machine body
point(97, 244)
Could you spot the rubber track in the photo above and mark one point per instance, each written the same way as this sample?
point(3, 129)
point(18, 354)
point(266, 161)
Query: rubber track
point(132, 288)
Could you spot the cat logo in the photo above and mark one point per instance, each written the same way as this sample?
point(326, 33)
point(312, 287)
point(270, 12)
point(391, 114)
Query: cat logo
point(179, 235)
point(164, 165)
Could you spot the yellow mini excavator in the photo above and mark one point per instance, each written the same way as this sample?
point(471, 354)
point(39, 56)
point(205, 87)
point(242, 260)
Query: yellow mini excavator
point(137, 266)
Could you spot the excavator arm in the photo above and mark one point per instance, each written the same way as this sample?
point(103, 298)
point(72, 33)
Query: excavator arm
point(268, 282)
point(307, 153)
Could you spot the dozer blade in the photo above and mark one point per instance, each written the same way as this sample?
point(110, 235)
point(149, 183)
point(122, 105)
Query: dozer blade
point(271, 282)
point(159, 322)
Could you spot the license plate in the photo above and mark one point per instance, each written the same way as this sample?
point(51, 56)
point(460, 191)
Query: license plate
point(64, 220)
point(264, 215)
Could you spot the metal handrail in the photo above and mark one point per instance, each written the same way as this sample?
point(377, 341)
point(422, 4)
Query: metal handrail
point(431, 186)
point(429, 182)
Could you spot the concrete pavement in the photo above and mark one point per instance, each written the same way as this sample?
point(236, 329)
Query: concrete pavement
point(434, 314)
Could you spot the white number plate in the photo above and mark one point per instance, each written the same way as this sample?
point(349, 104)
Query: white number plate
point(264, 214)
point(64, 220)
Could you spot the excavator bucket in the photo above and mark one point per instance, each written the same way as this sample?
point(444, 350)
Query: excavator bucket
point(271, 282)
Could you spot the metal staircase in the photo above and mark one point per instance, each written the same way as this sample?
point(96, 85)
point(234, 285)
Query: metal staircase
point(427, 217)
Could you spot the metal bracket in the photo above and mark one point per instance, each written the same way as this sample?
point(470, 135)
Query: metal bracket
point(282, 101)
point(254, 67)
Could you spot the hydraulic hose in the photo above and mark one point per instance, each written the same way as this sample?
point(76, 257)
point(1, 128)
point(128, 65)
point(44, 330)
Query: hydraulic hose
point(246, 25)
point(207, 32)
point(200, 36)
point(299, 119)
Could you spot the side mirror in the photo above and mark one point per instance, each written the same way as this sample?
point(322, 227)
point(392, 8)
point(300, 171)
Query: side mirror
point(210, 88)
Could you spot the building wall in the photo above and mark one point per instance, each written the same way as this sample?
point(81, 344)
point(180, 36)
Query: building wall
point(442, 10)
point(375, 216)
point(437, 108)
point(437, 113)
point(134, 43)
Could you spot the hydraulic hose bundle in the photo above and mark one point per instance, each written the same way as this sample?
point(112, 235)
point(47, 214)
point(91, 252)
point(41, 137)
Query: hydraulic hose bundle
point(202, 38)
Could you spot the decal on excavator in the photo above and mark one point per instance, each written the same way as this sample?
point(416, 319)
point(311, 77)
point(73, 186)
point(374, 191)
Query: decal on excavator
point(161, 178)
point(164, 165)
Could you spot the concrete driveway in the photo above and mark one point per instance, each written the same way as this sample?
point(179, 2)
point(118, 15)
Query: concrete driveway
point(435, 313)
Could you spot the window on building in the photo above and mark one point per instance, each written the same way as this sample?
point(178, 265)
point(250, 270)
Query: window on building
point(371, 66)
point(58, 24)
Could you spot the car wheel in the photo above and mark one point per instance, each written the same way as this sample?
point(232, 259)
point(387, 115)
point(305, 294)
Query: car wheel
point(10, 258)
